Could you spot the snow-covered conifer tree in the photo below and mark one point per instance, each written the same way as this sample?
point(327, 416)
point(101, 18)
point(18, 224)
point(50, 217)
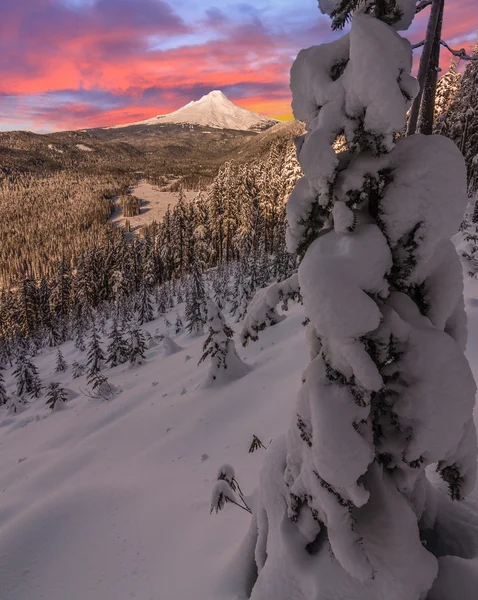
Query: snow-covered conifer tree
point(195, 302)
point(144, 305)
point(344, 507)
point(219, 287)
point(178, 325)
point(219, 345)
point(3, 391)
point(27, 378)
point(61, 364)
point(179, 292)
point(56, 396)
point(80, 326)
point(16, 404)
point(162, 299)
point(447, 88)
point(461, 121)
point(242, 298)
point(118, 349)
point(95, 357)
point(77, 369)
point(291, 171)
point(238, 278)
point(137, 346)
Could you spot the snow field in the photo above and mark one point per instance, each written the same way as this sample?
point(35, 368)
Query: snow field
point(111, 499)
point(154, 205)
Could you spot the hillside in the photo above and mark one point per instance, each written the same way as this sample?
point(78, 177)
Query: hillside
point(110, 500)
point(190, 152)
point(23, 151)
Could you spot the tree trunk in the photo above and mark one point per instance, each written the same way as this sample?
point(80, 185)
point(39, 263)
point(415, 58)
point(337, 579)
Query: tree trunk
point(427, 110)
point(425, 63)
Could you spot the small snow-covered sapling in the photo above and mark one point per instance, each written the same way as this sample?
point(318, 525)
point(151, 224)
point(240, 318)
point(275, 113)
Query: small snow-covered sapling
point(225, 490)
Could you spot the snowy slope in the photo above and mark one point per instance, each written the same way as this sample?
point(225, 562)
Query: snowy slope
point(212, 110)
point(110, 500)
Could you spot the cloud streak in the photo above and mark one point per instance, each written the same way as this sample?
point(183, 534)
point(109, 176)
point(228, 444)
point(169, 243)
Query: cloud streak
point(98, 62)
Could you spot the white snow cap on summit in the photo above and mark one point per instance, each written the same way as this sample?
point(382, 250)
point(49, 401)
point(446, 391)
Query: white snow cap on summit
point(212, 110)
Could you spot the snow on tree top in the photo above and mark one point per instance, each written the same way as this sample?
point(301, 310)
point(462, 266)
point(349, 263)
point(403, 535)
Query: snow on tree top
point(212, 110)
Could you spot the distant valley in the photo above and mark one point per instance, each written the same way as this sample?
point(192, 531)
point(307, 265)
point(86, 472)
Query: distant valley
point(59, 192)
point(157, 148)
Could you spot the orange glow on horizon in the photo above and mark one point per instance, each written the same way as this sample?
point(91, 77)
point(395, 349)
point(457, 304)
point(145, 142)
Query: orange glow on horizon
point(96, 75)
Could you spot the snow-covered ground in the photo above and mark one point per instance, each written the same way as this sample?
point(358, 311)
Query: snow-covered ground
point(154, 205)
point(110, 500)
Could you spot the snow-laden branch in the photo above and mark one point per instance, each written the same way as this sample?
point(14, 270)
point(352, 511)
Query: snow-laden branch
point(461, 54)
point(262, 309)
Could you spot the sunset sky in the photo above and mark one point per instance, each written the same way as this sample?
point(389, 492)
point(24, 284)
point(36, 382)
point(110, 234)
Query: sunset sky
point(69, 64)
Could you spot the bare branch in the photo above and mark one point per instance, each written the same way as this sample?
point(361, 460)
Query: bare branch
point(422, 4)
point(461, 54)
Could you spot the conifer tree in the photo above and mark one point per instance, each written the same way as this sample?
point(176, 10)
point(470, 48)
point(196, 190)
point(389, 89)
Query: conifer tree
point(120, 291)
point(195, 302)
point(291, 171)
point(28, 307)
point(461, 122)
point(27, 378)
point(95, 358)
point(137, 346)
point(178, 325)
point(61, 297)
point(61, 364)
point(77, 369)
point(16, 404)
point(243, 290)
point(79, 329)
point(179, 292)
point(118, 348)
point(56, 396)
point(162, 299)
point(3, 391)
point(179, 231)
point(100, 386)
point(447, 89)
point(237, 283)
point(144, 306)
point(219, 346)
point(344, 503)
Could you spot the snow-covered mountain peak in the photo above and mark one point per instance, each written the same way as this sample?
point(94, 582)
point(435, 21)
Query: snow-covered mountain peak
point(212, 110)
point(215, 94)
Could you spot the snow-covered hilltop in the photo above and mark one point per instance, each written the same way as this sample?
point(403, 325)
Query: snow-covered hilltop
point(212, 110)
